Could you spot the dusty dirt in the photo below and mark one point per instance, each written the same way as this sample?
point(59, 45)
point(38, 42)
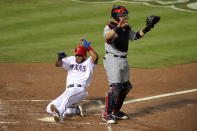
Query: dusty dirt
point(26, 89)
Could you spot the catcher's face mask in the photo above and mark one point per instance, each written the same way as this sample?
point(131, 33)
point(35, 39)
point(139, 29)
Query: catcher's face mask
point(119, 11)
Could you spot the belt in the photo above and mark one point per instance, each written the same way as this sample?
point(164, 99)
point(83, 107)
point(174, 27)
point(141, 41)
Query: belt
point(72, 85)
point(121, 56)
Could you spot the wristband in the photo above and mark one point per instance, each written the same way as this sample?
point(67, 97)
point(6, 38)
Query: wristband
point(138, 36)
point(89, 48)
point(116, 29)
point(145, 30)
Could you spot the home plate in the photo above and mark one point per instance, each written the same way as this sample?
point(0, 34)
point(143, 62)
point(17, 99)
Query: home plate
point(47, 119)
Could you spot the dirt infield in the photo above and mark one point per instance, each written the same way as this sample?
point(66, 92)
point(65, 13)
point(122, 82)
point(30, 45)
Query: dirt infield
point(26, 89)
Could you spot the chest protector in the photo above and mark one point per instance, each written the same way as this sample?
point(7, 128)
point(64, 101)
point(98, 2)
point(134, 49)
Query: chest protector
point(122, 40)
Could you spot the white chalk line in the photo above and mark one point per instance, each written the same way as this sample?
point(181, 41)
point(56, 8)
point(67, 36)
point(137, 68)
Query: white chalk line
point(50, 119)
point(109, 127)
point(87, 123)
point(7, 122)
point(157, 96)
point(5, 101)
point(160, 96)
point(152, 97)
point(126, 102)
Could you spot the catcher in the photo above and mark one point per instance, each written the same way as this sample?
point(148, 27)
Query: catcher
point(80, 70)
point(117, 34)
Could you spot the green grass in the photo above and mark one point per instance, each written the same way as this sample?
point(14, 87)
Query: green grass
point(35, 30)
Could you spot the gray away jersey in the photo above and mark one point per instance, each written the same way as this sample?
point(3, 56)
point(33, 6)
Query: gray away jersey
point(110, 47)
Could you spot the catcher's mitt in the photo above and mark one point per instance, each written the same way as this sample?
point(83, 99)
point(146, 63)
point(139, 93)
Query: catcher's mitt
point(152, 20)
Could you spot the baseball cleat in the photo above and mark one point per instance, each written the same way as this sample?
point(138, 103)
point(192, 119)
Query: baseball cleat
point(55, 113)
point(108, 118)
point(80, 111)
point(120, 115)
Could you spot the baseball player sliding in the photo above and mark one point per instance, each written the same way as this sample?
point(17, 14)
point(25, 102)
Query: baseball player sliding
point(80, 70)
point(117, 34)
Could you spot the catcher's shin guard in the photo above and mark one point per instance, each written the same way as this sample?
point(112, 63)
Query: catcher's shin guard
point(112, 96)
point(122, 95)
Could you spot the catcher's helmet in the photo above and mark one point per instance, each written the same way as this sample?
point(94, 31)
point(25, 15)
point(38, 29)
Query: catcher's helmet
point(80, 50)
point(118, 11)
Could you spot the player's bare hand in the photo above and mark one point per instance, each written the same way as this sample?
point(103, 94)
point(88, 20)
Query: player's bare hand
point(123, 21)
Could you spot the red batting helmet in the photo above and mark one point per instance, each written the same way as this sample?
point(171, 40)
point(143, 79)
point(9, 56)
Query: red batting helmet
point(80, 50)
point(118, 11)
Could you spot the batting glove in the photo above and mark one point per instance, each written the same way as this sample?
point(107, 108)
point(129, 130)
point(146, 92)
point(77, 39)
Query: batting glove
point(61, 55)
point(85, 44)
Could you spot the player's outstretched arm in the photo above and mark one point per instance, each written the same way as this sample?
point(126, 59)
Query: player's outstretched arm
point(94, 56)
point(90, 50)
point(150, 23)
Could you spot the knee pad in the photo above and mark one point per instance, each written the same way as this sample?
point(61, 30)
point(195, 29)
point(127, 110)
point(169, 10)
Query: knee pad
point(115, 89)
point(126, 88)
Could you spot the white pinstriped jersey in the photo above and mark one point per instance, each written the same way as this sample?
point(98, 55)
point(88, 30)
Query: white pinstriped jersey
point(78, 73)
